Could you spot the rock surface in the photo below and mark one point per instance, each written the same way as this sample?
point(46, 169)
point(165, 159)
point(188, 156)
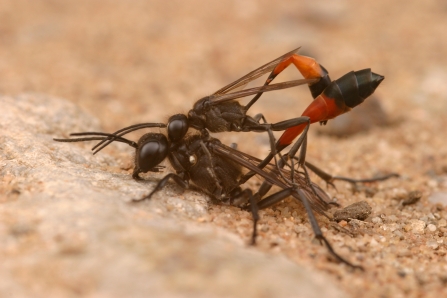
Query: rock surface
point(67, 227)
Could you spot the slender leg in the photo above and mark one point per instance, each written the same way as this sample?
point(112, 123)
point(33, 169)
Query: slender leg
point(258, 118)
point(240, 198)
point(302, 145)
point(177, 179)
point(255, 214)
point(275, 198)
point(300, 196)
point(317, 231)
point(308, 67)
point(328, 178)
point(253, 124)
point(265, 187)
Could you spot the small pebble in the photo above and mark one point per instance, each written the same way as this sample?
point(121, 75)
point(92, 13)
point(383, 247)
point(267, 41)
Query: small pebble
point(391, 227)
point(438, 198)
point(355, 223)
point(399, 234)
point(399, 194)
point(373, 242)
point(405, 214)
point(360, 210)
point(442, 223)
point(432, 183)
point(413, 198)
point(431, 227)
point(343, 223)
point(424, 219)
point(392, 218)
point(300, 229)
point(417, 226)
point(432, 244)
point(376, 220)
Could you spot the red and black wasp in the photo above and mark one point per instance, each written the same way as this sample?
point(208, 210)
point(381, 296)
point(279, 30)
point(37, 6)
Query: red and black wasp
point(217, 169)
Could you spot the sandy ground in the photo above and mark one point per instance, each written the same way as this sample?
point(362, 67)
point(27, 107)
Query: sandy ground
point(129, 63)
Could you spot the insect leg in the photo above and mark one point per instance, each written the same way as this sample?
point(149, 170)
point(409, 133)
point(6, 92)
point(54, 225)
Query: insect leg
point(308, 67)
point(255, 126)
point(258, 118)
point(328, 178)
point(274, 198)
point(176, 178)
point(265, 187)
point(299, 195)
point(254, 213)
point(300, 144)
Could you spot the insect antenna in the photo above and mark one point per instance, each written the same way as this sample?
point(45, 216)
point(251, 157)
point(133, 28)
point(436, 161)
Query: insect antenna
point(99, 136)
point(106, 141)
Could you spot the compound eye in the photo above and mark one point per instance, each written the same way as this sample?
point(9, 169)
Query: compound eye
point(152, 150)
point(177, 127)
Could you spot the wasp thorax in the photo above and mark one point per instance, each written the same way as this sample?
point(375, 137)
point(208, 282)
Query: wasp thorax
point(177, 127)
point(152, 150)
point(197, 116)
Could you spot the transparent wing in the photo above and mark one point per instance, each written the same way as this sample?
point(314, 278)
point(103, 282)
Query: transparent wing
point(253, 75)
point(271, 174)
point(217, 99)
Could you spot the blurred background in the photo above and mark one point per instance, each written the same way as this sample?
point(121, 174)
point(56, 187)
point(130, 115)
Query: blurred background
point(133, 61)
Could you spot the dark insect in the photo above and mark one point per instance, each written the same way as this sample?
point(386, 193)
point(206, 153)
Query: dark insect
point(216, 169)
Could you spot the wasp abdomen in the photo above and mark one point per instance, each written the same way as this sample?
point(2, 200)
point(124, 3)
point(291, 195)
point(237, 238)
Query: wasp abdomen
point(317, 88)
point(354, 87)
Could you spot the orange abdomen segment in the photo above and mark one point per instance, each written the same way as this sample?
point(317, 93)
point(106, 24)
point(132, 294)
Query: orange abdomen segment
point(321, 109)
point(337, 98)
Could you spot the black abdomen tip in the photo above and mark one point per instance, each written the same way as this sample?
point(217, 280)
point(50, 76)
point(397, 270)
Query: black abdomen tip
point(367, 82)
point(376, 79)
